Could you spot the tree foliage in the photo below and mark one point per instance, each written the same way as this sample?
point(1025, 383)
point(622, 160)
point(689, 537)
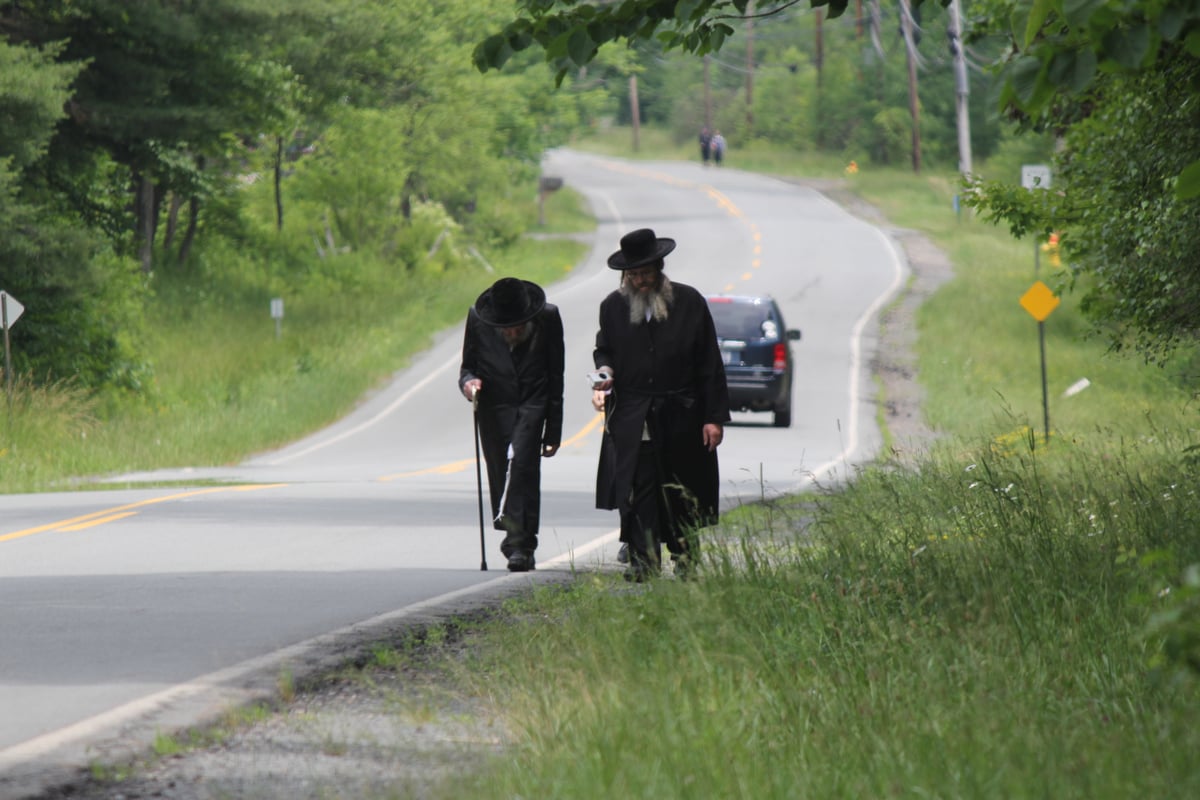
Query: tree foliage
point(1132, 237)
point(141, 134)
point(1118, 83)
point(1061, 48)
point(571, 33)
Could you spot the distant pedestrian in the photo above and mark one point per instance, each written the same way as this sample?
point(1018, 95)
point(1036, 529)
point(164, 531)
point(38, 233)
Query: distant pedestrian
point(717, 145)
point(705, 145)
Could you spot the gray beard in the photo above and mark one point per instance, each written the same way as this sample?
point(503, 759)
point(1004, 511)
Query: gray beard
point(513, 344)
point(658, 302)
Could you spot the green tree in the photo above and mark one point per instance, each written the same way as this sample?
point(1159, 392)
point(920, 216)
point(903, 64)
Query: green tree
point(79, 321)
point(1118, 86)
point(365, 113)
point(571, 33)
point(163, 88)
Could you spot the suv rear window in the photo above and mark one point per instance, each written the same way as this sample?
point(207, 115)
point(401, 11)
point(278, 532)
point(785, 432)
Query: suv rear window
point(743, 320)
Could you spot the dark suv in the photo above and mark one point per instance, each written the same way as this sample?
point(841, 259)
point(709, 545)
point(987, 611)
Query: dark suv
point(758, 358)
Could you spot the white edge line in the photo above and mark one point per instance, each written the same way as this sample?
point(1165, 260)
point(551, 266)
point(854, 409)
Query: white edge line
point(855, 389)
point(362, 426)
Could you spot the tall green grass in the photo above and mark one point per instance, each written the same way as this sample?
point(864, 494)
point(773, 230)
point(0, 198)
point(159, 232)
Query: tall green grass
point(974, 628)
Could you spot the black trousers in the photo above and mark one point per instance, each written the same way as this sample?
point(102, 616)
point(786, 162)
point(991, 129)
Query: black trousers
point(657, 514)
point(518, 482)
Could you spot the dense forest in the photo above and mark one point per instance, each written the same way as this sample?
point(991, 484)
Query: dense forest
point(150, 144)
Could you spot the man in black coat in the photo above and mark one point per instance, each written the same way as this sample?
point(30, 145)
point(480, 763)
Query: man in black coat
point(666, 404)
point(512, 367)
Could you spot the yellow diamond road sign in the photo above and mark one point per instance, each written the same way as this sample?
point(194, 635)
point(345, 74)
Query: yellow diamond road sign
point(1039, 301)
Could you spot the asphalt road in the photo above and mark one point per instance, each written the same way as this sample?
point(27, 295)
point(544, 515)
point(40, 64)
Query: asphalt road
point(129, 610)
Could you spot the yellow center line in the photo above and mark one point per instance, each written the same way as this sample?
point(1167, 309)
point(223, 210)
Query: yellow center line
point(110, 514)
point(584, 431)
point(441, 469)
point(93, 523)
point(459, 466)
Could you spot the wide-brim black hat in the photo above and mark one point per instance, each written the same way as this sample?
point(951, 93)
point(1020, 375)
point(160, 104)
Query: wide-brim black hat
point(640, 247)
point(510, 302)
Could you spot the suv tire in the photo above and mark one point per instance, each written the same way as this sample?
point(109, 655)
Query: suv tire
point(783, 416)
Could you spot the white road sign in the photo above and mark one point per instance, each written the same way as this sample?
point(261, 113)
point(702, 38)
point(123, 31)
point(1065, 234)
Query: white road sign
point(1035, 176)
point(10, 309)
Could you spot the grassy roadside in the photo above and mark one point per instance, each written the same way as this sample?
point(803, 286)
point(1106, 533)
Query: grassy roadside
point(1006, 619)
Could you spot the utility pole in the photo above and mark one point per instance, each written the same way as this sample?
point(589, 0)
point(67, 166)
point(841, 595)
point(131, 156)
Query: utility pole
point(961, 88)
point(750, 69)
point(707, 96)
point(819, 14)
point(635, 113)
point(914, 101)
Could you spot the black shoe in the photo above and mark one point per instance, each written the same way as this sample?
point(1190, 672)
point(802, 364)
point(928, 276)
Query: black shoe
point(520, 562)
point(640, 571)
point(683, 567)
point(623, 553)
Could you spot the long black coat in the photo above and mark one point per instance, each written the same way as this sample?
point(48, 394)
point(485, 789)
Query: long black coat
point(521, 404)
point(671, 374)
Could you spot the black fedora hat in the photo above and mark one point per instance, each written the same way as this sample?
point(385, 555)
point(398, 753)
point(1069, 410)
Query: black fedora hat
point(640, 247)
point(510, 302)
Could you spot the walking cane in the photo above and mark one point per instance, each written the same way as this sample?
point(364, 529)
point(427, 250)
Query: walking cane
point(479, 480)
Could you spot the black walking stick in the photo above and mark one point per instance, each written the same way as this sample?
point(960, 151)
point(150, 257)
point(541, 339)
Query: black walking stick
point(479, 480)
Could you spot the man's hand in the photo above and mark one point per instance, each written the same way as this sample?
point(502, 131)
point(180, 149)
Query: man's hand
point(598, 399)
point(603, 386)
point(471, 388)
point(713, 435)
point(549, 450)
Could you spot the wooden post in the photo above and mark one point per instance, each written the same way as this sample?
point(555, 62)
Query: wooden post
point(750, 69)
point(707, 96)
point(634, 111)
point(914, 102)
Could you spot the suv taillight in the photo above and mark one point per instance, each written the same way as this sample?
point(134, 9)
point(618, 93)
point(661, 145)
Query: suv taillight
point(780, 356)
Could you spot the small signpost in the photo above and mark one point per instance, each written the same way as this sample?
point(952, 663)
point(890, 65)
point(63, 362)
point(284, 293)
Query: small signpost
point(1040, 301)
point(546, 185)
point(10, 312)
point(277, 315)
point(1035, 176)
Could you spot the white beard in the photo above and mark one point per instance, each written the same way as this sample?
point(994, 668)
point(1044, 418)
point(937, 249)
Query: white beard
point(521, 338)
point(657, 302)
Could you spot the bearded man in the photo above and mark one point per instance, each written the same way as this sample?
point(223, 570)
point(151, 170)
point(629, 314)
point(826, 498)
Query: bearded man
point(512, 368)
point(666, 404)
